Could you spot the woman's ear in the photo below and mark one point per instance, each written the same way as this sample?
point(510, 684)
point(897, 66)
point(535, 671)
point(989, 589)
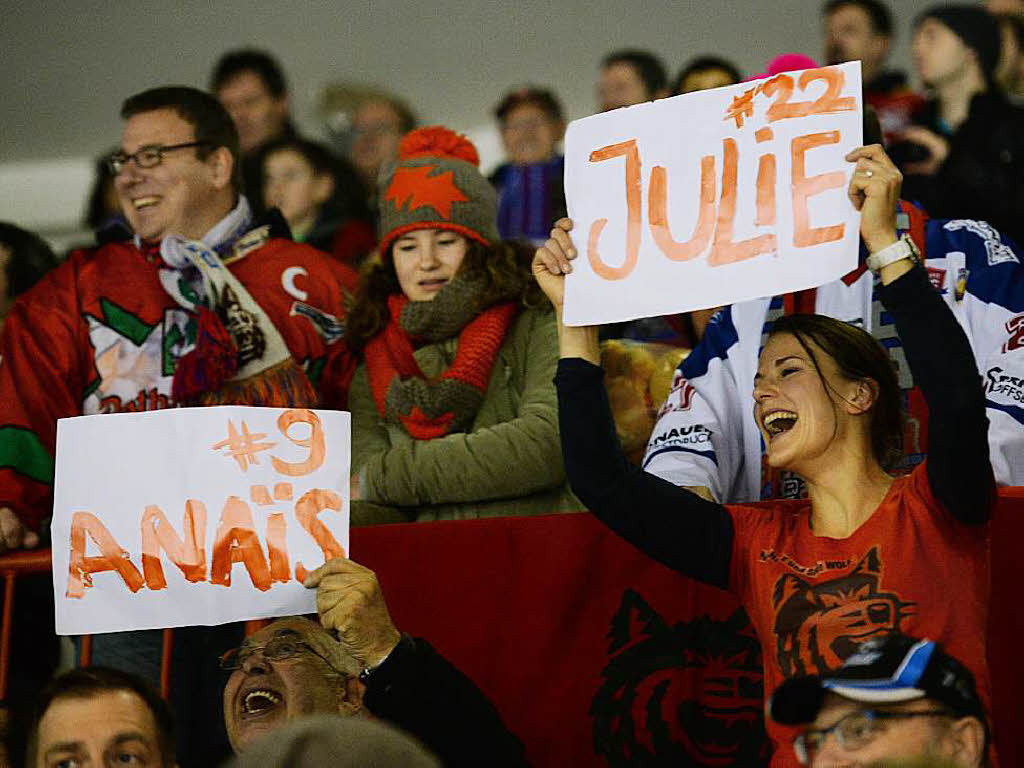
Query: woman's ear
point(864, 395)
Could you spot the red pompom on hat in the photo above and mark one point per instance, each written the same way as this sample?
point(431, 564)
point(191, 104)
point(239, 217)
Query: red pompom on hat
point(436, 184)
point(438, 141)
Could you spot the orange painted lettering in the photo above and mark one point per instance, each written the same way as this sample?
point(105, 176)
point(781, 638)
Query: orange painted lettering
point(805, 188)
point(189, 556)
point(315, 442)
point(724, 250)
point(307, 511)
point(634, 193)
point(112, 557)
point(830, 101)
point(765, 190)
point(781, 108)
point(277, 548)
point(658, 213)
point(260, 495)
point(237, 542)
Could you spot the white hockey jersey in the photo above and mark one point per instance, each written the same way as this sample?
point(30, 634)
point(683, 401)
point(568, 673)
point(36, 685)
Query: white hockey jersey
point(706, 436)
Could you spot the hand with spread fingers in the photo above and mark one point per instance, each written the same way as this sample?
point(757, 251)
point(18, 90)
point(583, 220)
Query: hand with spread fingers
point(553, 261)
point(13, 534)
point(351, 605)
point(875, 192)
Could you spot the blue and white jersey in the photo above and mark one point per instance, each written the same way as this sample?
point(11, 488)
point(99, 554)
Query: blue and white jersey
point(706, 436)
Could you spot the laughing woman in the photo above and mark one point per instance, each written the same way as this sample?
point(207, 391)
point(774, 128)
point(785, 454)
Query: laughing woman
point(868, 553)
point(454, 413)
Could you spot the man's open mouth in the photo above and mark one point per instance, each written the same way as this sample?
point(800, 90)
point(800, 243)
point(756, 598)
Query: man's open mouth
point(777, 422)
point(261, 701)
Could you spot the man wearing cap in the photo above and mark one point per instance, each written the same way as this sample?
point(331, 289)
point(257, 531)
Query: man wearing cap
point(964, 157)
point(897, 698)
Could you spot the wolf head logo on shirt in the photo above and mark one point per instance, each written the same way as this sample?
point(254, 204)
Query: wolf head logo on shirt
point(687, 694)
point(819, 623)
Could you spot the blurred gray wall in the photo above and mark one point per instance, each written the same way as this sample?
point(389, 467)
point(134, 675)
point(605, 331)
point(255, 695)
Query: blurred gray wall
point(68, 65)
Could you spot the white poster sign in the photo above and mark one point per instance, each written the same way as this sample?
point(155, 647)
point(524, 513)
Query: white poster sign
point(195, 515)
point(713, 197)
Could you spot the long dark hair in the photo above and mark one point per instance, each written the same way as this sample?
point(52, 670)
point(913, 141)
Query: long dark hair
point(505, 266)
point(858, 357)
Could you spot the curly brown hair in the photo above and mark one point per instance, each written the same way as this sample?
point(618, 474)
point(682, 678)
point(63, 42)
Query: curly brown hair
point(504, 265)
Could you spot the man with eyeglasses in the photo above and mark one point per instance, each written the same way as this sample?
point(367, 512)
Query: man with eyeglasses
point(207, 305)
point(356, 662)
point(896, 699)
point(144, 324)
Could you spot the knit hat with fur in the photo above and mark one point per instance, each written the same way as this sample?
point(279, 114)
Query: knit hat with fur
point(437, 183)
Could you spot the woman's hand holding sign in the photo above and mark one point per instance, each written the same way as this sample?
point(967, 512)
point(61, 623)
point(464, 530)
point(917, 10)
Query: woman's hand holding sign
point(875, 191)
point(551, 263)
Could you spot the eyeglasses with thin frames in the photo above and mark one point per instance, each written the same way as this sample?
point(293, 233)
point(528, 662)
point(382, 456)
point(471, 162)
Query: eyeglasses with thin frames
point(149, 156)
point(277, 649)
point(854, 731)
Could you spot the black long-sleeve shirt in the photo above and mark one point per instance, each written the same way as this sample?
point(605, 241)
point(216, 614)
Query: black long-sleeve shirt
point(695, 536)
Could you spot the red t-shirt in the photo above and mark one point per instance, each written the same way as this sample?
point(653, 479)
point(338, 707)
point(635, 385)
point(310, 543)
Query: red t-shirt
point(911, 567)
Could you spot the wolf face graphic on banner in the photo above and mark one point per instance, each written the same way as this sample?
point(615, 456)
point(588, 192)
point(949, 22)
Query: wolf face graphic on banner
point(688, 694)
point(818, 624)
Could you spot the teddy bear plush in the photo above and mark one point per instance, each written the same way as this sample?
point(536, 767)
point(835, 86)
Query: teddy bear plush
point(638, 376)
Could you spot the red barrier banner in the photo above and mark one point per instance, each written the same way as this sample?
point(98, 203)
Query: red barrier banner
point(598, 656)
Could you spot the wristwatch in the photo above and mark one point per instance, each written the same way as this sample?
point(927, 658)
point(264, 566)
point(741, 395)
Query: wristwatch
point(904, 248)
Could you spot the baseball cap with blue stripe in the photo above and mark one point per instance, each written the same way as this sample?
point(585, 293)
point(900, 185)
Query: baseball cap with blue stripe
point(886, 670)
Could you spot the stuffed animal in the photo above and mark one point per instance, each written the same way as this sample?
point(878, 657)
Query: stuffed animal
point(638, 377)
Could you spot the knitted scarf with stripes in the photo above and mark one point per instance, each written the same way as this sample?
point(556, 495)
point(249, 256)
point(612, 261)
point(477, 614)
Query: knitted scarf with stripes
point(430, 408)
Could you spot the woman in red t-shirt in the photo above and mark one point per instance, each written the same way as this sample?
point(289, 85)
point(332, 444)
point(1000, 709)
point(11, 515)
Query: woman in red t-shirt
point(867, 554)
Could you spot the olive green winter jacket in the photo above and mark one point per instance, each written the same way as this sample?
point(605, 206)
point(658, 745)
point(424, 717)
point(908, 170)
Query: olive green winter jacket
point(508, 463)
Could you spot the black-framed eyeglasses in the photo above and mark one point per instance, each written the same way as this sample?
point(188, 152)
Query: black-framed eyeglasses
point(277, 649)
point(149, 156)
point(854, 731)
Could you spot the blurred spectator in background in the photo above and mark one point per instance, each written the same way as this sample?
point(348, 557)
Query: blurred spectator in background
point(24, 258)
point(321, 196)
point(705, 72)
point(103, 215)
point(453, 412)
point(252, 87)
point(1004, 6)
point(322, 740)
point(377, 127)
point(862, 30)
point(96, 717)
point(630, 77)
point(1010, 70)
point(531, 194)
point(964, 158)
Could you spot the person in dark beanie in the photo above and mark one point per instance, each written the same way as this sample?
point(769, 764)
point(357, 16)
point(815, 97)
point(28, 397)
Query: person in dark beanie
point(965, 155)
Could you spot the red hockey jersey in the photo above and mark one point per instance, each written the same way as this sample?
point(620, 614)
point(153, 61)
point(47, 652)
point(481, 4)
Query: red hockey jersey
point(101, 335)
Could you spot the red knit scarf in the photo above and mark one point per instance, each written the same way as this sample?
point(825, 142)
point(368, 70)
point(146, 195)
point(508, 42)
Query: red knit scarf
point(429, 408)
